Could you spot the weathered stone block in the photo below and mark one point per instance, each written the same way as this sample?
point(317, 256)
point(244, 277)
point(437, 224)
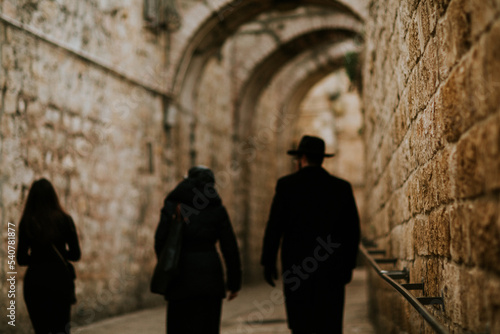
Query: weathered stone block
point(439, 232)
point(472, 301)
point(485, 233)
point(395, 42)
point(381, 222)
point(452, 290)
point(490, 157)
point(425, 137)
point(396, 242)
point(413, 41)
point(481, 14)
point(407, 162)
point(386, 150)
point(412, 95)
point(441, 182)
point(3, 76)
point(8, 56)
point(417, 270)
point(433, 276)
point(469, 172)
point(10, 101)
point(453, 33)
point(460, 241)
point(491, 63)
point(451, 104)
point(492, 290)
point(428, 77)
point(407, 10)
point(412, 193)
point(441, 6)
point(409, 241)
point(400, 123)
point(394, 210)
point(382, 189)
point(432, 12)
point(392, 168)
point(423, 21)
point(52, 116)
point(421, 235)
point(35, 157)
point(477, 85)
point(402, 65)
point(425, 176)
point(391, 97)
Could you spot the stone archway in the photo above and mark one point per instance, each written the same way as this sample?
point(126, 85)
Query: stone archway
point(206, 38)
point(264, 138)
point(281, 33)
point(209, 24)
point(267, 68)
point(287, 40)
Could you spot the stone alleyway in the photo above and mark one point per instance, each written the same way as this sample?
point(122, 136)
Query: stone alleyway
point(258, 309)
point(113, 101)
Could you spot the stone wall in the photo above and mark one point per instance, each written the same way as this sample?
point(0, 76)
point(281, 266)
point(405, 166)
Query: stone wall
point(81, 112)
point(432, 116)
point(85, 102)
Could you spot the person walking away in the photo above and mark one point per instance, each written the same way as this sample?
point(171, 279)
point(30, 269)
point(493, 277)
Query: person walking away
point(314, 217)
point(47, 241)
point(195, 295)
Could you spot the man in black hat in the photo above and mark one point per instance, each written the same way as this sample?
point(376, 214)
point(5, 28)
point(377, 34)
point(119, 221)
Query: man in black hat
point(314, 217)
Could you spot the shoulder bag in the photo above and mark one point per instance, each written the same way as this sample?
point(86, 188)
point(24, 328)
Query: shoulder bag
point(70, 270)
point(167, 266)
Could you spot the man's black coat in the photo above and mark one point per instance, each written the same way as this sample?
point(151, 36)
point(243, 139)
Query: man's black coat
point(314, 216)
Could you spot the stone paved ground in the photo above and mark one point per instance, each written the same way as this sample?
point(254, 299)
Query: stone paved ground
point(258, 309)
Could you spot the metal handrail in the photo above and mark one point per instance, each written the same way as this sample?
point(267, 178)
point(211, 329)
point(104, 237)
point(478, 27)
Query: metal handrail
point(431, 320)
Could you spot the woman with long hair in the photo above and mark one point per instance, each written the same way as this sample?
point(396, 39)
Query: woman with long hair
point(47, 241)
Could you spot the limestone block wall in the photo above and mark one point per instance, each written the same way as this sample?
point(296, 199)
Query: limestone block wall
point(213, 134)
point(432, 116)
point(82, 113)
point(84, 102)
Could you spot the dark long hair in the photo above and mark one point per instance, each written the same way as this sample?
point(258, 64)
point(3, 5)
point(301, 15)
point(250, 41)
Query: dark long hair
point(42, 212)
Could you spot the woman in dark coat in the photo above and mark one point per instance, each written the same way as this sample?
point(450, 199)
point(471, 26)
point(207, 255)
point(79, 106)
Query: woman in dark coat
point(195, 294)
point(47, 240)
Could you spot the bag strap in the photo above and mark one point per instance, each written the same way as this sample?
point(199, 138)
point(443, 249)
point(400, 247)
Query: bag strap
point(63, 260)
point(178, 214)
point(178, 211)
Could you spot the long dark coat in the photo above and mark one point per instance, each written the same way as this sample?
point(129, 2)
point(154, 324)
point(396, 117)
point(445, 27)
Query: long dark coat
point(47, 283)
point(315, 217)
point(207, 222)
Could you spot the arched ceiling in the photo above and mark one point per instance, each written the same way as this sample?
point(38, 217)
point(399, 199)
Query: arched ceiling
point(296, 78)
point(207, 25)
point(313, 48)
point(270, 66)
point(312, 35)
point(288, 38)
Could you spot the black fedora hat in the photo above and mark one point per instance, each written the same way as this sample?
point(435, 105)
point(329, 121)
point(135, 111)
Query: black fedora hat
point(310, 145)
